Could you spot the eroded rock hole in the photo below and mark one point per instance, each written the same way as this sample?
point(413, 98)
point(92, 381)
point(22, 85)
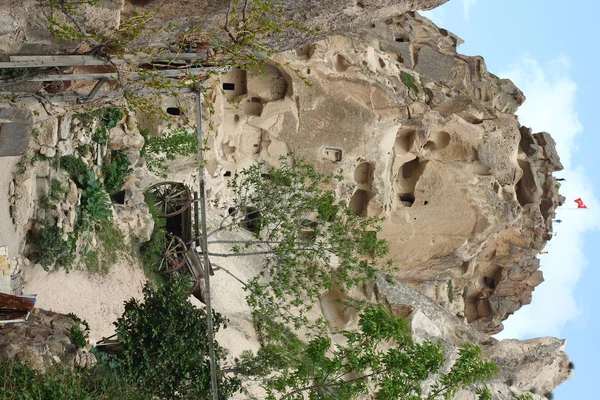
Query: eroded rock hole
point(526, 187)
point(253, 107)
point(381, 63)
point(359, 202)
point(332, 154)
point(335, 311)
point(410, 173)
point(227, 174)
point(341, 63)
point(407, 199)
point(401, 39)
point(119, 197)
point(234, 83)
point(252, 220)
point(363, 174)
point(175, 111)
point(437, 141)
point(404, 141)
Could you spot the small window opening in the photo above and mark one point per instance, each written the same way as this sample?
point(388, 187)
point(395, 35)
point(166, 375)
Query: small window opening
point(401, 39)
point(228, 86)
point(227, 174)
point(174, 111)
point(489, 282)
point(332, 154)
point(119, 197)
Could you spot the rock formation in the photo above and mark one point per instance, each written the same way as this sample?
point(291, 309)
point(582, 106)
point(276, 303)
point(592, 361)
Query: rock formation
point(43, 340)
point(529, 366)
point(424, 137)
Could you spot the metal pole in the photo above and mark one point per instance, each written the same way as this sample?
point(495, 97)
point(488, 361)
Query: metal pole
point(204, 247)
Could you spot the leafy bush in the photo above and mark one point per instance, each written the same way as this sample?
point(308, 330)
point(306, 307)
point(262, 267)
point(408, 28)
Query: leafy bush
point(157, 150)
point(56, 192)
point(19, 381)
point(116, 172)
point(409, 81)
point(76, 168)
point(165, 344)
point(52, 248)
point(289, 368)
point(108, 118)
point(95, 203)
point(78, 337)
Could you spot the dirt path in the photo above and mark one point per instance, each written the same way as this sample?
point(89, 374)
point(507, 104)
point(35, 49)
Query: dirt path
point(97, 299)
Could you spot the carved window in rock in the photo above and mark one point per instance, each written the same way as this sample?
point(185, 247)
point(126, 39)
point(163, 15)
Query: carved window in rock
point(174, 111)
point(332, 154)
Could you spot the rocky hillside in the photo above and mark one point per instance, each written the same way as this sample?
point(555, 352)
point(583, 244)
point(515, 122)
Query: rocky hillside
point(424, 137)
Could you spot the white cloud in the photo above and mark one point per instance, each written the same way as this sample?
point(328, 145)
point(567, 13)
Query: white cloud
point(467, 6)
point(550, 107)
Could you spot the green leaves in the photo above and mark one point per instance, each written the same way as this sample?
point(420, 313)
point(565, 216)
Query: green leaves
point(381, 358)
point(95, 203)
point(116, 172)
point(157, 150)
point(165, 344)
point(313, 242)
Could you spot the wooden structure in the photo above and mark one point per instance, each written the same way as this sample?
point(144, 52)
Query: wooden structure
point(169, 65)
point(180, 209)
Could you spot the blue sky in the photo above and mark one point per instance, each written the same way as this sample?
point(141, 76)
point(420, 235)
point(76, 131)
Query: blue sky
point(549, 49)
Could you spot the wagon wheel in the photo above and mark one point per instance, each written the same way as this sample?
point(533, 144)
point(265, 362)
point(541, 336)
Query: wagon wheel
point(174, 255)
point(171, 198)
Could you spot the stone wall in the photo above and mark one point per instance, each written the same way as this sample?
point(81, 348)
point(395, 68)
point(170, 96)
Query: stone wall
point(43, 340)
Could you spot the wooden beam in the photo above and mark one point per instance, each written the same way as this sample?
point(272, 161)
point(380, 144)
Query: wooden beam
point(80, 60)
point(96, 88)
point(133, 76)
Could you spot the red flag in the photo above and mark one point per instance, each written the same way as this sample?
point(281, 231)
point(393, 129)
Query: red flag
point(580, 203)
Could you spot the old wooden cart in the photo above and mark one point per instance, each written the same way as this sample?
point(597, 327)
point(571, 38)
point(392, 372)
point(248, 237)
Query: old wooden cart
point(179, 206)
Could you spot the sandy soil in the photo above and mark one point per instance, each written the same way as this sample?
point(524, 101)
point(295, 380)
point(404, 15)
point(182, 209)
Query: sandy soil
point(10, 235)
point(95, 298)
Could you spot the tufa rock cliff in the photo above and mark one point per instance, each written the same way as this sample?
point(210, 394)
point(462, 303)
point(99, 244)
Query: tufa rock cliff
point(527, 366)
point(424, 137)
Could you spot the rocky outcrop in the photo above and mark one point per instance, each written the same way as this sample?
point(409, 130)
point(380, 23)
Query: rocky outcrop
point(527, 366)
point(423, 137)
point(43, 340)
point(25, 27)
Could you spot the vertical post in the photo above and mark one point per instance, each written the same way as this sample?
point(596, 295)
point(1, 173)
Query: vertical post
point(204, 247)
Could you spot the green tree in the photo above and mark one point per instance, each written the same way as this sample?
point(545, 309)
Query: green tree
point(311, 241)
point(381, 359)
point(166, 346)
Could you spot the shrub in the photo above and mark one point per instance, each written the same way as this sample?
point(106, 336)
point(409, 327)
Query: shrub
point(52, 248)
point(109, 118)
point(56, 192)
point(165, 344)
point(76, 168)
point(95, 203)
point(20, 381)
point(157, 150)
point(116, 172)
point(78, 337)
point(409, 81)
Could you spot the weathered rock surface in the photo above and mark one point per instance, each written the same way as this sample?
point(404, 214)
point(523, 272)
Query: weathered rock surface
point(424, 137)
point(43, 340)
point(527, 366)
